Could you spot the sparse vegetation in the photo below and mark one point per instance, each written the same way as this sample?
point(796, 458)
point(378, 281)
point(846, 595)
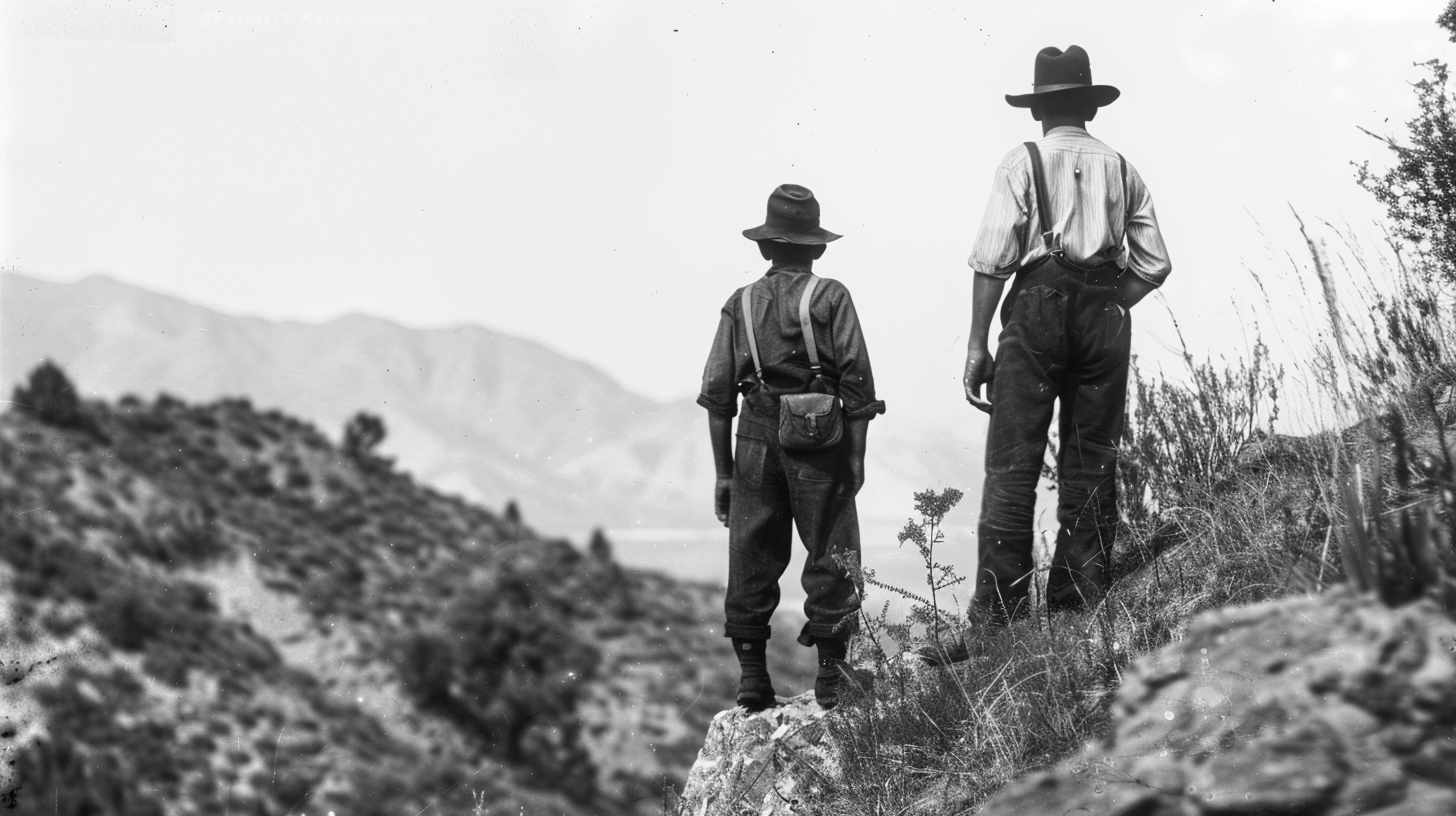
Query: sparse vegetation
point(510, 657)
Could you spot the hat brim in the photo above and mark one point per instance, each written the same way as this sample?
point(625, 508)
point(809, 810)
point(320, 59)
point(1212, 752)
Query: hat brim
point(813, 235)
point(1101, 95)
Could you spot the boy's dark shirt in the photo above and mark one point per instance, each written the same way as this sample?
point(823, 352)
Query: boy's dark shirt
point(776, 296)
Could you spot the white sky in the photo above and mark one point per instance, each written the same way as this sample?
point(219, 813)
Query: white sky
point(579, 172)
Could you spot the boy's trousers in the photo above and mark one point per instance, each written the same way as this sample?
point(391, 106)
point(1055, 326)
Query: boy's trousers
point(773, 489)
point(1063, 338)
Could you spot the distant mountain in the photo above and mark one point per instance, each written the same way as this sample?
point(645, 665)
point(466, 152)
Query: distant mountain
point(471, 411)
point(492, 417)
point(211, 608)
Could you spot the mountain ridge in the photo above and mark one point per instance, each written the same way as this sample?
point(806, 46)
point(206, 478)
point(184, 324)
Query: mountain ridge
point(472, 411)
point(120, 339)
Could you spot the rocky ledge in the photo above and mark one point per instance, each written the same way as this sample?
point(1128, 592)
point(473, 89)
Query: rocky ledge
point(1330, 705)
point(1321, 706)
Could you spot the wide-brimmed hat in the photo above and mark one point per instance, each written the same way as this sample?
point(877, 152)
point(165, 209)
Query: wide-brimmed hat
point(1064, 73)
point(793, 217)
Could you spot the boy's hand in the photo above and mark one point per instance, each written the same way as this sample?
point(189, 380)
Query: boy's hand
point(856, 474)
point(722, 495)
point(980, 370)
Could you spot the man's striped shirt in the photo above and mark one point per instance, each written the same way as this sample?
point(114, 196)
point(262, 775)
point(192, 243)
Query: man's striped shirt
point(1093, 207)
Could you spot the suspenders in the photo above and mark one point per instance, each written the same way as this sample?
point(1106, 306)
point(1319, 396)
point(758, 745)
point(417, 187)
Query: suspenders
point(1043, 200)
point(805, 324)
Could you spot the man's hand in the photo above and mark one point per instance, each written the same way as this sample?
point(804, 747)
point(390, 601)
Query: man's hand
point(1131, 289)
point(980, 370)
point(722, 497)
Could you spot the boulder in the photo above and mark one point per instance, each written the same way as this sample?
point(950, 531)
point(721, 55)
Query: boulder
point(761, 762)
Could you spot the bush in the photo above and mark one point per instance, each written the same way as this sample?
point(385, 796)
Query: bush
point(1180, 439)
point(1419, 191)
point(132, 614)
point(506, 660)
point(256, 479)
point(362, 435)
point(49, 396)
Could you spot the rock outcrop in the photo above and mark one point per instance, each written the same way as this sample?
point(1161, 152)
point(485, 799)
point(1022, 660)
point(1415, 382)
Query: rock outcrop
point(1327, 705)
point(760, 762)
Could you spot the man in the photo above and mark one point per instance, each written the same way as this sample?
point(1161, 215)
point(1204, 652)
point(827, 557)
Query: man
point(1071, 224)
point(768, 488)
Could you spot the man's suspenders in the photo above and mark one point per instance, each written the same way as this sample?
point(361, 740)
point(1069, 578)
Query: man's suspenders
point(1039, 189)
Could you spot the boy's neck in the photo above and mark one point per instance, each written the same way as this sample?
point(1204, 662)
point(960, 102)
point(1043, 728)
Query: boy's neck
point(791, 266)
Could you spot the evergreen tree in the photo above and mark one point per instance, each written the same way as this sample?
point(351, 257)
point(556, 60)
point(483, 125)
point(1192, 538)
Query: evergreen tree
point(362, 435)
point(600, 547)
point(50, 397)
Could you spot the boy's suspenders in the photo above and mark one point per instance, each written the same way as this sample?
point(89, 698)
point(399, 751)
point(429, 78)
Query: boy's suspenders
point(1039, 189)
point(805, 324)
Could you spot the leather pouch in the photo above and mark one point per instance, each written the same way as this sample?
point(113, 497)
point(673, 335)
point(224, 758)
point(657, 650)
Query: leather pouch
point(810, 422)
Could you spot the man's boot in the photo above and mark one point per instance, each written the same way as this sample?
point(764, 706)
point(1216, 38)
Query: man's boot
point(832, 667)
point(983, 622)
point(755, 689)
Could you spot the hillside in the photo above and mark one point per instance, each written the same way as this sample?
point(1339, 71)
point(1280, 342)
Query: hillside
point(211, 608)
point(469, 410)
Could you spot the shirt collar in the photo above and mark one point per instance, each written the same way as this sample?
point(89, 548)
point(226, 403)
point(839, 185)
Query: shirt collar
point(1072, 129)
point(787, 267)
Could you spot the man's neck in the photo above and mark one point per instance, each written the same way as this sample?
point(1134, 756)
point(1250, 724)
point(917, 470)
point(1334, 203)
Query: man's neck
point(1051, 122)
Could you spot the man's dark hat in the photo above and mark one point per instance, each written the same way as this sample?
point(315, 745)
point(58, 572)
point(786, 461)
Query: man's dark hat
point(1064, 73)
point(793, 217)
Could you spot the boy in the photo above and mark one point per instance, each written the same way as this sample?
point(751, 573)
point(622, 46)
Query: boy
point(764, 488)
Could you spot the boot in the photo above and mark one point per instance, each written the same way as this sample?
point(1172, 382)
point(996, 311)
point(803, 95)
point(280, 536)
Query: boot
point(983, 622)
point(755, 689)
point(832, 668)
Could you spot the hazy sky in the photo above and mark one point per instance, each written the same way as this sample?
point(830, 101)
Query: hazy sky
point(579, 172)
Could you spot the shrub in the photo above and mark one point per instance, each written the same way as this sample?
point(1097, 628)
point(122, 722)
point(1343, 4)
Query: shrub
point(362, 435)
point(506, 660)
point(1182, 438)
point(928, 620)
point(1419, 191)
point(256, 479)
point(600, 546)
point(49, 396)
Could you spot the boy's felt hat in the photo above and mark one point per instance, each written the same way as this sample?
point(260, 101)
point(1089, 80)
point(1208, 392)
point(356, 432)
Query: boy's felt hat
point(1064, 73)
point(793, 217)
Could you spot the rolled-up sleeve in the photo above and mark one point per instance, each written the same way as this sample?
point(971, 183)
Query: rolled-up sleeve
point(856, 378)
point(1001, 240)
point(720, 390)
point(1147, 255)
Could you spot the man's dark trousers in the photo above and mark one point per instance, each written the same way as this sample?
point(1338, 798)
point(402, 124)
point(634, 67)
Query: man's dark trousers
point(772, 490)
point(1064, 337)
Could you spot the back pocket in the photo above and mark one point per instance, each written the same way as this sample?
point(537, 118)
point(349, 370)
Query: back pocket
point(1035, 320)
point(748, 459)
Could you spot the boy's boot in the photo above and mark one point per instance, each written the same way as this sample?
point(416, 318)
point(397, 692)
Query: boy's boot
point(832, 668)
point(755, 689)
